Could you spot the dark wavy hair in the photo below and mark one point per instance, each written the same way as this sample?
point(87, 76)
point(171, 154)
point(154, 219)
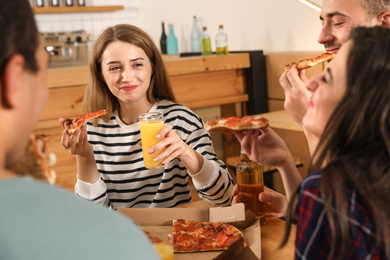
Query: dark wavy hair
point(18, 33)
point(355, 144)
point(98, 95)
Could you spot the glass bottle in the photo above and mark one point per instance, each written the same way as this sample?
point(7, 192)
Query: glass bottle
point(81, 2)
point(163, 40)
point(250, 184)
point(40, 3)
point(172, 47)
point(55, 3)
point(69, 2)
point(206, 43)
point(195, 36)
point(221, 42)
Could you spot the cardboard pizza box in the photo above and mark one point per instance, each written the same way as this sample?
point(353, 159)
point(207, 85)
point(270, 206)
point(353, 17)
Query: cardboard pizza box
point(159, 220)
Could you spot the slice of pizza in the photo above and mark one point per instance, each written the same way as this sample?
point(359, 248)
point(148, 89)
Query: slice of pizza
point(308, 63)
point(36, 161)
point(71, 125)
point(226, 124)
point(195, 236)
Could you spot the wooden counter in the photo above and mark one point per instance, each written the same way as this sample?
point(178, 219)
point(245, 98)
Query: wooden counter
point(197, 82)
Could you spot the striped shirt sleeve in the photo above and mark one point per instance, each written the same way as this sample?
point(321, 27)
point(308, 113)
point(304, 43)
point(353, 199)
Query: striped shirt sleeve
point(126, 183)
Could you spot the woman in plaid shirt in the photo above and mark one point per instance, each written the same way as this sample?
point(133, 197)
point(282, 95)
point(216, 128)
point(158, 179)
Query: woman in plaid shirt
point(341, 208)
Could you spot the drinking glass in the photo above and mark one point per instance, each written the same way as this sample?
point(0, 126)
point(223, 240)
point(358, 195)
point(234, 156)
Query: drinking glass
point(150, 124)
point(163, 243)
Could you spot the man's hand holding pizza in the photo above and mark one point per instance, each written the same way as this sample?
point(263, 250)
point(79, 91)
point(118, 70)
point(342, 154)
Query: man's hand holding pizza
point(297, 95)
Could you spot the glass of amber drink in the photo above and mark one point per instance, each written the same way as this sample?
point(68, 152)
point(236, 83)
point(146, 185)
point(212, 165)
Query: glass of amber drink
point(150, 124)
point(250, 184)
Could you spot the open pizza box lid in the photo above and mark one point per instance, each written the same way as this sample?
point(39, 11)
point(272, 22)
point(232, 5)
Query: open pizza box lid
point(159, 220)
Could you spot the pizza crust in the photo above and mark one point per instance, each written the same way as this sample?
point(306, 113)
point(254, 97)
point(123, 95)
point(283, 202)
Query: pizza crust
point(71, 125)
point(308, 63)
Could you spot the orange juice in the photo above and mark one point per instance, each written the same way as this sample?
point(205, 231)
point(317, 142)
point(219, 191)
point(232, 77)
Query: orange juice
point(149, 130)
point(165, 251)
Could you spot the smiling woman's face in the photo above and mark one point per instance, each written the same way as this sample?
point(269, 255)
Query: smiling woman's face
point(127, 71)
point(327, 90)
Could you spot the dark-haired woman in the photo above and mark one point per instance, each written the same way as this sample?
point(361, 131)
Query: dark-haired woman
point(128, 78)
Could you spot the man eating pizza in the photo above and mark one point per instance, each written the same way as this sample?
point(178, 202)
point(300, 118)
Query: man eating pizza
point(337, 17)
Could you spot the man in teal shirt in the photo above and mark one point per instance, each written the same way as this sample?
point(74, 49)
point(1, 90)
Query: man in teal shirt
point(39, 221)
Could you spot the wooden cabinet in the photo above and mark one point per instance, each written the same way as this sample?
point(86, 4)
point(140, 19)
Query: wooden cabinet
point(196, 81)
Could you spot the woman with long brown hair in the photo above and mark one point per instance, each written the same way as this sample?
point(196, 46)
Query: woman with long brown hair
point(128, 78)
point(341, 207)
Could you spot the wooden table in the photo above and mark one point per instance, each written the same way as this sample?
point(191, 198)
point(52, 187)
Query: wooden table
point(272, 232)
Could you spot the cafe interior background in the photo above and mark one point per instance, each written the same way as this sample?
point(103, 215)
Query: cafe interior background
point(276, 27)
point(269, 25)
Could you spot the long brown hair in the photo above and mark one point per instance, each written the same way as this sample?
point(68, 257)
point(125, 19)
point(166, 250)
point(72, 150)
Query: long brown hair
point(355, 144)
point(97, 94)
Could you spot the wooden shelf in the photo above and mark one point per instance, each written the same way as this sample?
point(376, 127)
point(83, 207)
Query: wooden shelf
point(76, 9)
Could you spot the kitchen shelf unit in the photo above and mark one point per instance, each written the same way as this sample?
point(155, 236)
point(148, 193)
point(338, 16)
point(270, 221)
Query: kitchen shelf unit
point(76, 9)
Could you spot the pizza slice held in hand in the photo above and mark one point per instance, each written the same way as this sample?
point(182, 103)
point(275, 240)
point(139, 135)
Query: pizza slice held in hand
point(308, 63)
point(71, 125)
point(226, 124)
point(36, 161)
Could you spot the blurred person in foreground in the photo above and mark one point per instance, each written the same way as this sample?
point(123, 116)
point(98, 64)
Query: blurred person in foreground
point(340, 208)
point(37, 220)
point(128, 79)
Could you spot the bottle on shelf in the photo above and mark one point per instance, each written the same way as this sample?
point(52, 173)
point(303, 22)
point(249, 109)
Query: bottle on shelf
point(195, 37)
point(163, 39)
point(81, 2)
point(250, 184)
point(39, 3)
point(206, 42)
point(69, 2)
point(55, 3)
point(221, 42)
point(172, 46)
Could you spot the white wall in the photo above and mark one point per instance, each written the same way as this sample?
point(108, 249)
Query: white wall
point(269, 25)
point(93, 23)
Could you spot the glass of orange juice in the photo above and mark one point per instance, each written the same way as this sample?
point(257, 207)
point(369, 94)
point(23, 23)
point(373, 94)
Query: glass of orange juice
point(163, 244)
point(150, 124)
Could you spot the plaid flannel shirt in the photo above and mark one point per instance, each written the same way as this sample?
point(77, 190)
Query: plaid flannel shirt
point(313, 234)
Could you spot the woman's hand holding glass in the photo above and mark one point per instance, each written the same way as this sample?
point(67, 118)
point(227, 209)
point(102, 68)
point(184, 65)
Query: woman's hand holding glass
point(176, 148)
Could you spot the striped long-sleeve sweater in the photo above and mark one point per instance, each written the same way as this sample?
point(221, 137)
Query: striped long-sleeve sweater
point(125, 182)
